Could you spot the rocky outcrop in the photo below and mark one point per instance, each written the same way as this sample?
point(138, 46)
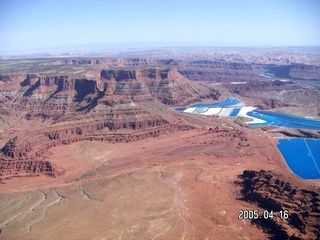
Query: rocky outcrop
point(5, 78)
point(166, 85)
point(63, 83)
point(301, 71)
point(299, 133)
point(203, 70)
point(46, 140)
point(104, 109)
point(10, 149)
point(273, 94)
point(8, 79)
point(222, 69)
point(51, 97)
point(267, 93)
point(83, 88)
point(104, 126)
point(297, 71)
point(271, 192)
point(116, 62)
point(271, 103)
point(219, 71)
point(260, 86)
point(26, 168)
point(19, 159)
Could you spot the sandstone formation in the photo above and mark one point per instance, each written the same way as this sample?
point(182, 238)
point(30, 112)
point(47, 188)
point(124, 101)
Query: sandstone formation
point(116, 62)
point(209, 70)
point(168, 86)
point(271, 192)
point(277, 94)
point(299, 71)
point(202, 70)
point(73, 110)
point(218, 68)
point(219, 71)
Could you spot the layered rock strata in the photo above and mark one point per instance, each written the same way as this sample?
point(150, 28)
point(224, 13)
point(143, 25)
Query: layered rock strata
point(274, 94)
point(71, 110)
point(166, 85)
point(297, 71)
point(219, 71)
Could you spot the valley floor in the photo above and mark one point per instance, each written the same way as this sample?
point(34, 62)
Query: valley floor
point(177, 186)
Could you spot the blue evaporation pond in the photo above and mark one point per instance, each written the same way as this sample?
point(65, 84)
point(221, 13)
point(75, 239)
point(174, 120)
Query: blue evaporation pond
point(234, 112)
point(302, 156)
point(226, 103)
point(180, 109)
point(281, 119)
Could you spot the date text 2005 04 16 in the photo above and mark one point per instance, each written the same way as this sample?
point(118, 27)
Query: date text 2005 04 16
point(265, 214)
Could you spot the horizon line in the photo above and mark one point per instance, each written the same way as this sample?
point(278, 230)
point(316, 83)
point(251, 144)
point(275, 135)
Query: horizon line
point(100, 48)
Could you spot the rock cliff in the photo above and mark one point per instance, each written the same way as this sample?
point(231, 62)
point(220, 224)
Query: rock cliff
point(166, 85)
point(71, 110)
point(115, 62)
point(273, 94)
point(299, 71)
point(219, 71)
point(223, 68)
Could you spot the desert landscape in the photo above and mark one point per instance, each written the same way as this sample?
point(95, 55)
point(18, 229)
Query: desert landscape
point(149, 120)
point(91, 148)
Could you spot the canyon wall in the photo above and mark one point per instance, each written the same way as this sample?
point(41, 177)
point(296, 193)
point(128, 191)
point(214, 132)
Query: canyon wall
point(69, 110)
point(296, 71)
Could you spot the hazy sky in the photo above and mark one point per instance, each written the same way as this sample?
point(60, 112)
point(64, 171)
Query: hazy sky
point(27, 25)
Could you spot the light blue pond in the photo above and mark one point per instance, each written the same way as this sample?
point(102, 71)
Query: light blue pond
point(302, 156)
point(180, 109)
point(228, 102)
point(271, 118)
point(281, 119)
point(203, 107)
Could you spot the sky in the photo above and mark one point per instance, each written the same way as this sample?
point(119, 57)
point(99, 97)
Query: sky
point(28, 26)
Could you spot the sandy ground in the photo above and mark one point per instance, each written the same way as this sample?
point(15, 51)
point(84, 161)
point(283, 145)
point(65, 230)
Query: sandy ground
point(176, 186)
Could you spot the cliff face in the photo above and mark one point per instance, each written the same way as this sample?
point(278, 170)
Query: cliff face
point(117, 62)
point(62, 83)
point(219, 71)
point(300, 71)
point(209, 70)
point(4, 78)
point(250, 88)
point(8, 79)
point(273, 94)
point(71, 110)
point(166, 85)
point(142, 74)
point(305, 72)
point(24, 155)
